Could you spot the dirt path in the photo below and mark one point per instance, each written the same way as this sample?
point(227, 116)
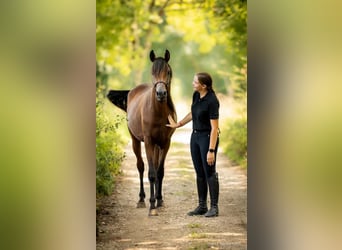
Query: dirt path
point(123, 226)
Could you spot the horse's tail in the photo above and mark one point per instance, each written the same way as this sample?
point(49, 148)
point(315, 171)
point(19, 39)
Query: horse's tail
point(118, 98)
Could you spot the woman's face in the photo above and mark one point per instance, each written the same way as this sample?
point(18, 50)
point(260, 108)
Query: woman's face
point(197, 85)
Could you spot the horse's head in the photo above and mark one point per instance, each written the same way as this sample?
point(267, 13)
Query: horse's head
point(161, 75)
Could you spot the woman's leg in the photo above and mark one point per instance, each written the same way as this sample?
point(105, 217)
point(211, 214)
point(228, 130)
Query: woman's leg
point(201, 182)
point(211, 176)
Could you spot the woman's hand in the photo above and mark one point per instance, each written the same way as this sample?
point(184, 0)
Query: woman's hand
point(172, 122)
point(210, 158)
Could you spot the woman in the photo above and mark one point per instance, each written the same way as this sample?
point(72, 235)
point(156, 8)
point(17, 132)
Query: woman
point(204, 142)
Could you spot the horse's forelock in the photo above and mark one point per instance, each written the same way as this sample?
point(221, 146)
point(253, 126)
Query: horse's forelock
point(159, 66)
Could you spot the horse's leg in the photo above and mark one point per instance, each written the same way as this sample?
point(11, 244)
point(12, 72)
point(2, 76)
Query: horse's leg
point(152, 176)
point(160, 174)
point(140, 165)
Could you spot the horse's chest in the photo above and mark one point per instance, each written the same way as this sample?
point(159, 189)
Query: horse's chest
point(160, 135)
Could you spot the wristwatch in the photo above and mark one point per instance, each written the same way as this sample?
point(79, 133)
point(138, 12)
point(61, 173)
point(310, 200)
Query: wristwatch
point(211, 150)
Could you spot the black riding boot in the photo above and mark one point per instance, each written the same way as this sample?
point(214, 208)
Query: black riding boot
point(202, 189)
point(214, 195)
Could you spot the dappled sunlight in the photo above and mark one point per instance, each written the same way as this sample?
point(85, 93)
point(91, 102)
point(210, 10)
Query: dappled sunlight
point(187, 170)
point(229, 108)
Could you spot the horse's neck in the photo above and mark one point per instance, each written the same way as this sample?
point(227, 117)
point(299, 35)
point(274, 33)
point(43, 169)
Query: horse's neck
point(160, 108)
point(171, 105)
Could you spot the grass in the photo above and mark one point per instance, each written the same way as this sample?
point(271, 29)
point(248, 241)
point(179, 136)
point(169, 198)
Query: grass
point(194, 225)
point(195, 235)
point(202, 246)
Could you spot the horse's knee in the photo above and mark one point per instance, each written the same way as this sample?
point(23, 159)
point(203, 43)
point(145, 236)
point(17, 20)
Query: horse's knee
point(160, 172)
point(152, 178)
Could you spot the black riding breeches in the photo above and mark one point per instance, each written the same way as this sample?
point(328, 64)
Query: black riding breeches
point(199, 147)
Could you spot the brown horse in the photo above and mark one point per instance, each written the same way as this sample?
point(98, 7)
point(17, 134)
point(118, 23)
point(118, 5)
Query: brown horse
point(148, 107)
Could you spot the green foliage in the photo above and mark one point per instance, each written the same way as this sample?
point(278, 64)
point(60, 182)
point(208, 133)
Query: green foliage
point(208, 35)
point(107, 164)
point(124, 32)
point(238, 80)
point(109, 153)
point(234, 140)
point(230, 20)
point(109, 141)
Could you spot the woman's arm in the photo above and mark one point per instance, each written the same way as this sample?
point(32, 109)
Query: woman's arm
point(213, 141)
point(213, 133)
point(181, 123)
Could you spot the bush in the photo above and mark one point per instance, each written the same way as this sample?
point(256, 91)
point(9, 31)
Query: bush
point(109, 148)
point(108, 159)
point(234, 141)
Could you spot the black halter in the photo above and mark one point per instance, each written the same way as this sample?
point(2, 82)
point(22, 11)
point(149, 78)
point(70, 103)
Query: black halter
point(165, 83)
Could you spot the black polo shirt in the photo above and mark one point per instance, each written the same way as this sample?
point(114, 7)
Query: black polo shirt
point(203, 110)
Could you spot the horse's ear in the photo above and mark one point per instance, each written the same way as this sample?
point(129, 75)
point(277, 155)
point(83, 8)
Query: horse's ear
point(167, 55)
point(152, 56)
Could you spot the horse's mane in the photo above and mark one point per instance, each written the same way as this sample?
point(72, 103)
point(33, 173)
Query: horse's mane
point(171, 105)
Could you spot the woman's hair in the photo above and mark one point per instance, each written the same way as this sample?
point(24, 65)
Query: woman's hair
point(205, 78)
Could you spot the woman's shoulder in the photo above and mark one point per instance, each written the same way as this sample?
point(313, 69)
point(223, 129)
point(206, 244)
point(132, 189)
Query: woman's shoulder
point(213, 97)
point(195, 94)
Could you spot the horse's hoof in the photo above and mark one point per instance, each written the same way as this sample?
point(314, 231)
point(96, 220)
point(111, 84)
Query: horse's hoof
point(153, 212)
point(160, 203)
point(141, 204)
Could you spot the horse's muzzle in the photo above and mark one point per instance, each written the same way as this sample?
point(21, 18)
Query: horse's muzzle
point(161, 96)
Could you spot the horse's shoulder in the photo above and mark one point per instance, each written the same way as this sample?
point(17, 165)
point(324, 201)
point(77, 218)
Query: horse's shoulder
point(138, 90)
point(141, 87)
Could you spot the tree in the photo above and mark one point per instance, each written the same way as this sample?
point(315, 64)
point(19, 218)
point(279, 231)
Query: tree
point(124, 35)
